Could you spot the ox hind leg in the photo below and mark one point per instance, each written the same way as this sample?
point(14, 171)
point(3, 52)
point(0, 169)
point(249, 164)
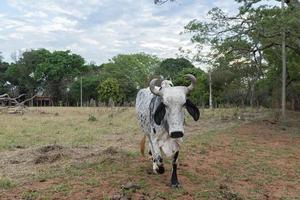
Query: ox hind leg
point(174, 179)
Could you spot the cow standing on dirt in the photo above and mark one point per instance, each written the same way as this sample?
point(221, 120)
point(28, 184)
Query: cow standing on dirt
point(161, 116)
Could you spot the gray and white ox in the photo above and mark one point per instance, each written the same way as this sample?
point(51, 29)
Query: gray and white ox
point(160, 111)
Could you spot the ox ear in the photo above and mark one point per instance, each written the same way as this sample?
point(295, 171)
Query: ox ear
point(160, 113)
point(192, 109)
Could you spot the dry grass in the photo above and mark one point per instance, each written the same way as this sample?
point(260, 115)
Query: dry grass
point(67, 126)
point(89, 153)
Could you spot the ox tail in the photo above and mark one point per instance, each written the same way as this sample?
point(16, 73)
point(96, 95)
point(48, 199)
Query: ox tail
point(142, 145)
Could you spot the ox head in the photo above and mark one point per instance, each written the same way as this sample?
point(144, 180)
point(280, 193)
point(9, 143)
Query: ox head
point(171, 108)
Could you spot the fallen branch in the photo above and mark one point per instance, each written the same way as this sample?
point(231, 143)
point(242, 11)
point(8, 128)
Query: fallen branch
point(26, 100)
point(18, 106)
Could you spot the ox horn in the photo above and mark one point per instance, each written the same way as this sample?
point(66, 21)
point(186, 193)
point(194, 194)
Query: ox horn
point(193, 80)
point(152, 87)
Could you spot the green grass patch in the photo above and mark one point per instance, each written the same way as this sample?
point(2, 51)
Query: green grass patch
point(61, 188)
point(30, 195)
point(6, 183)
point(92, 182)
point(192, 176)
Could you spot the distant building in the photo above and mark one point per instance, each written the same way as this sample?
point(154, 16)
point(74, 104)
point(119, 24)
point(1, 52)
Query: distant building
point(42, 100)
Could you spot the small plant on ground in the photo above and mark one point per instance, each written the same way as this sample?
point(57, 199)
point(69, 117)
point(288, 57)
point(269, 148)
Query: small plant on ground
point(30, 195)
point(92, 118)
point(6, 183)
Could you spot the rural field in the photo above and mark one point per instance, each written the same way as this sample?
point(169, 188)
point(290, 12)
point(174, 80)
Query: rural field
point(93, 153)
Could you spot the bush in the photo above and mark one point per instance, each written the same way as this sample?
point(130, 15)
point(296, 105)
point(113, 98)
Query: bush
point(110, 89)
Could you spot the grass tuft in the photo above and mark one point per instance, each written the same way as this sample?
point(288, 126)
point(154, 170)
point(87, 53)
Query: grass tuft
point(6, 183)
point(30, 195)
point(92, 118)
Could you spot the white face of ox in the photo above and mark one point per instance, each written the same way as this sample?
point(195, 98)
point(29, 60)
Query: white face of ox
point(174, 99)
point(172, 110)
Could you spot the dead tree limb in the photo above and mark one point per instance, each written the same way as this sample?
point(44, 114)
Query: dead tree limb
point(18, 106)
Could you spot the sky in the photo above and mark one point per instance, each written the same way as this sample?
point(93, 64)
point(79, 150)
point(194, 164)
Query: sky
point(100, 29)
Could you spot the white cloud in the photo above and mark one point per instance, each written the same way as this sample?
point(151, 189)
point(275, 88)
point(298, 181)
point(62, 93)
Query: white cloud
point(38, 14)
point(16, 36)
point(98, 30)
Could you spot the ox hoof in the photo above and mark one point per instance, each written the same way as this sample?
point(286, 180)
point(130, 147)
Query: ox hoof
point(175, 185)
point(160, 170)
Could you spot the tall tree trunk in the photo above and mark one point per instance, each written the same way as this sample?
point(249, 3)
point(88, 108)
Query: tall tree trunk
point(243, 102)
point(283, 94)
point(81, 91)
point(293, 103)
point(210, 90)
point(252, 94)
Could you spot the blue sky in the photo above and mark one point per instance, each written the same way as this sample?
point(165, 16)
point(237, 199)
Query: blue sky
point(100, 29)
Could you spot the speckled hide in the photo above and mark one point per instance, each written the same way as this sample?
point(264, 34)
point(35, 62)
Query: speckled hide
point(160, 112)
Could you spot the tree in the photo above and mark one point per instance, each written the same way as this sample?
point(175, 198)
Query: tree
point(245, 43)
point(57, 71)
point(22, 73)
point(210, 89)
point(42, 70)
point(89, 85)
point(3, 77)
point(110, 90)
point(283, 58)
point(132, 71)
point(55, 74)
point(200, 94)
point(171, 67)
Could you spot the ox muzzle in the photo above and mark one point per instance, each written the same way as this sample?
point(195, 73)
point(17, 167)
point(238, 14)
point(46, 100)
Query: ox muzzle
point(176, 134)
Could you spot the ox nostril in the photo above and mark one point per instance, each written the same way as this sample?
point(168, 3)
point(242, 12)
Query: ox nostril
point(176, 134)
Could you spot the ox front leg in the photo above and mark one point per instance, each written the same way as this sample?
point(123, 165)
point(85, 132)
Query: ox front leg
point(157, 161)
point(174, 179)
point(158, 165)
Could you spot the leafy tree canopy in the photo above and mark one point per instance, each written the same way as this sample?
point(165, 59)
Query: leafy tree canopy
point(132, 71)
point(110, 89)
point(246, 47)
point(200, 94)
point(171, 67)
